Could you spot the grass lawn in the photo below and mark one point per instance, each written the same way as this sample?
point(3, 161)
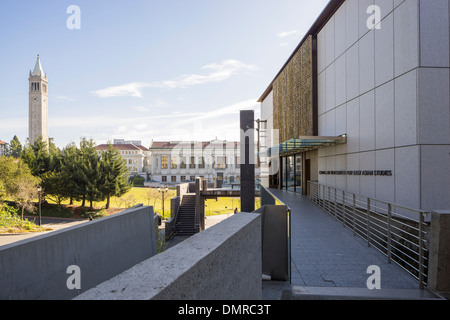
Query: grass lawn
point(146, 196)
point(225, 206)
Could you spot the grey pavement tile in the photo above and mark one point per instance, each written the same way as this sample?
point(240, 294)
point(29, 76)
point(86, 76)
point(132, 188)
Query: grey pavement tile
point(322, 249)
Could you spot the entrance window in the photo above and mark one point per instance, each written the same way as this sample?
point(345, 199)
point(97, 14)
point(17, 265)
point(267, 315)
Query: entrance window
point(292, 173)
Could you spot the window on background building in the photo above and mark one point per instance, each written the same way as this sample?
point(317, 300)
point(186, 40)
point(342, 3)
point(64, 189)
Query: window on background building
point(220, 163)
point(192, 163)
point(183, 163)
point(238, 162)
point(164, 162)
point(174, 179)
point(173, 162)
point(183, 178)
point(164, 179)
point(202, 163)
point(192, 178)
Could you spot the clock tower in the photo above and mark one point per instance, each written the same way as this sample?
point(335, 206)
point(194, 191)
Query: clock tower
point(38, 104)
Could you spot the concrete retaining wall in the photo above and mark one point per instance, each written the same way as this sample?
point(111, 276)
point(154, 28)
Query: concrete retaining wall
point(220, 263)
point(36, 268)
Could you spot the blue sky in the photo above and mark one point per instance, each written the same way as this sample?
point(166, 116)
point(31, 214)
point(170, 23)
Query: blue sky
point(143, 70)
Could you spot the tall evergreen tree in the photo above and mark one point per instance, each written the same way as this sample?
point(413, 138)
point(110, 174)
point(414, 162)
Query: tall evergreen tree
point(38, 158)
point(70, 164)
point(15, 147)
point(90, 172)
point(115, 174)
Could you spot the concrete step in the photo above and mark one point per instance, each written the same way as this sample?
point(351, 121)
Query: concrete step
point(185, 224)
point(338, 293)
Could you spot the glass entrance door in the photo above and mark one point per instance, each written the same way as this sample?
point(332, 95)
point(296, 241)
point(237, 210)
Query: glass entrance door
point(290, 166)
point(298, 173)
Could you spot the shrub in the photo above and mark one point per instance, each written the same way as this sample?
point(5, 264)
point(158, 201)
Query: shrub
point(137, 181)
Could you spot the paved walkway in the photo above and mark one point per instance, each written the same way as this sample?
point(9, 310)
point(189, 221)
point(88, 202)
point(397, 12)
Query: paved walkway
point(325, 254)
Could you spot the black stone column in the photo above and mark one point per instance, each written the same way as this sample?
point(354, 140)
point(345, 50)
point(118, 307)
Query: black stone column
point(247, 152)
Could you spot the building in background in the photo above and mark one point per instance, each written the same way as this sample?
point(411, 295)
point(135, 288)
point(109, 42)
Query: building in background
point(364, 107)
point(38, 104)
point(3, 148)
point(123, 141)
point(177, 162)
point(137, 157)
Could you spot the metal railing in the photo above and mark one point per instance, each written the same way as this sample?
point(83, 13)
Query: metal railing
point(398, 232)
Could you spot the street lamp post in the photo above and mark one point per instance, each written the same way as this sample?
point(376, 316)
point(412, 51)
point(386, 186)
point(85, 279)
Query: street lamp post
point(39, 191)
point(163, 191)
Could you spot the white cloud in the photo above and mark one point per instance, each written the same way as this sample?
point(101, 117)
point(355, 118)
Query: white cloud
point(133, 89)
point(231, 109)
point(142, 109)
point(217, 73)
point(222, 122)
point(66, 98)
point(289, 33)
point(288, 37)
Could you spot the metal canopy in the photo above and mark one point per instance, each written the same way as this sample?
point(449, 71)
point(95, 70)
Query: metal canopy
point(303, 144)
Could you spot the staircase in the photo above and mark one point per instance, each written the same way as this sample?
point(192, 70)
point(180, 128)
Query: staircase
point(185, 224)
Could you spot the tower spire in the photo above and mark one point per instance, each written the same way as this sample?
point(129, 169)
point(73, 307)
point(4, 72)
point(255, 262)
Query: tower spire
point(38, 68)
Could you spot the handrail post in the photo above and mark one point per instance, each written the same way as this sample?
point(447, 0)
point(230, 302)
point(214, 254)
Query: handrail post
point(421, 223)
point(343, 208)
point(335, 205)
point(354, 214)
point(329, 199)
point(368, 222)
point(389, 234)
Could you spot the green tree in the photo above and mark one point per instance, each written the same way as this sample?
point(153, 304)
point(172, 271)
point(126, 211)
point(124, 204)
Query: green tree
point(56, 185)
point(70, 163)
point(45, 163)
point(115, 174)
point(18, 182)
point(15, 148)
point(25, 192)
point(38, 158)
point(2, 193)
point(89, 176)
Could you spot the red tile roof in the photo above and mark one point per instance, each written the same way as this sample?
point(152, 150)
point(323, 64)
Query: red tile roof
point(1, 142)
point(123, 147)
point(173, 144)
